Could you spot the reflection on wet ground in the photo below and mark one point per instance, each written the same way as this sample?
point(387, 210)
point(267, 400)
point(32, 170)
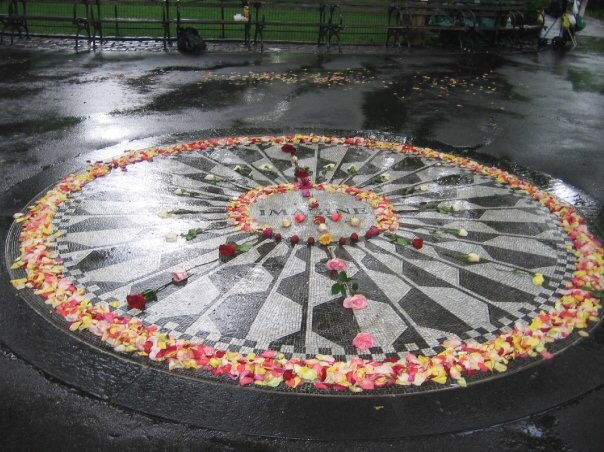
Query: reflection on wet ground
point(541, 109)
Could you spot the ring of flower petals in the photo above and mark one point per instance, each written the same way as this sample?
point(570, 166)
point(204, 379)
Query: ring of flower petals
point(44, 275)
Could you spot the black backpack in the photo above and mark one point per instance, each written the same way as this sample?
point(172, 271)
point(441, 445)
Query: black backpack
point(189, 41)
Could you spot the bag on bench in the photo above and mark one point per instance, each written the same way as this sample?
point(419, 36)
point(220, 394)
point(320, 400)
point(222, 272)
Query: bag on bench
point(189, 41)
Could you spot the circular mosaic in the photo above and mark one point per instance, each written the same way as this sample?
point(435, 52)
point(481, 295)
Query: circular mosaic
point(331, 256)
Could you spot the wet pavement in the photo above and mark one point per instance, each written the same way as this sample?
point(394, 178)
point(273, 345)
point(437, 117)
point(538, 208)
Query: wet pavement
point(61, 108)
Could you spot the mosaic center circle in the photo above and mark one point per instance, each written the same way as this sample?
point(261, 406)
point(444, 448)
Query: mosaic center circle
point(274, 209)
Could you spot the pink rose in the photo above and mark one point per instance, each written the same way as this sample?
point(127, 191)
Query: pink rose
point(305, 193)
point(336, 216)
point(364, 341)
point(299, 217)
point(336, 264)
point(179, 275)
point(357, 301)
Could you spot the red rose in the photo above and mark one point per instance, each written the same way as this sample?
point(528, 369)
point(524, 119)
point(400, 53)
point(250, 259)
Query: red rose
point(294, 239)
point(354, 237)
point(288, 149)
point(227, 250)
point(417, 243)
point(267, 233)
point(342, 241)
point(277, 237)
point(305, 183)
point(310, 241)
point(300, 172)
point(136, 301)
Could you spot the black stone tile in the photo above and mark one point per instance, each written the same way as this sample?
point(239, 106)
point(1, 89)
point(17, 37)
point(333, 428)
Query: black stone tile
point(519, 258)
point(495, 200)
point(492, 289)
point(422, 277)
point(512, 227)
point(410, 336)
point(333, 322)
point(237, 313)
point(426, 312)
point(408, 164)
point(456, 179)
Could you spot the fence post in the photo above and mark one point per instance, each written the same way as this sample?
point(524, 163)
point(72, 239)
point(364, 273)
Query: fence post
point(222, 19)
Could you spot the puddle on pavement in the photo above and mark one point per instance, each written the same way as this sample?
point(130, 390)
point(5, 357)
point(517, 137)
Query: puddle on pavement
point(206, 96)
point(17, 93)
point(591, 44)
point(37, 126)
point(586, 81)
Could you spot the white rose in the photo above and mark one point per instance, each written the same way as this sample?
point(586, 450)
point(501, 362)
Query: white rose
point(473, 257)
point(210, 177)
point(385, 177)
point(456, 207)
point(171, 237)
point(322, 227)
point(266, 167)
point(286, 223)
point(355, 222)
point(329, 167)
point(462, 232)
point(164, 214)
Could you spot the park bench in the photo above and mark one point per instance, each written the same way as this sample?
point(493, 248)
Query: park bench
point(87, 16)
point(120, 15)
point(14, 19)
point(499, 19)
point(48, 12)
point(312, 17)
point(257, 15)
point(206, 15)
point(465, 19)
point(396, 20)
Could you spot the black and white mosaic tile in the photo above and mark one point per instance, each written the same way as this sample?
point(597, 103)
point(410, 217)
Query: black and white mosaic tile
point(277, 296)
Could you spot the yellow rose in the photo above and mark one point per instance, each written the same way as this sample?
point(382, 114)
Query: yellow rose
point(325, 239)
point(538, 279)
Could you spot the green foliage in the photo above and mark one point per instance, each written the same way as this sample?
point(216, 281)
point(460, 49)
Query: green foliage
point(244, 247)
point(150, 295)
point(340, 286)
point(398, 239)
point(181, 212)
